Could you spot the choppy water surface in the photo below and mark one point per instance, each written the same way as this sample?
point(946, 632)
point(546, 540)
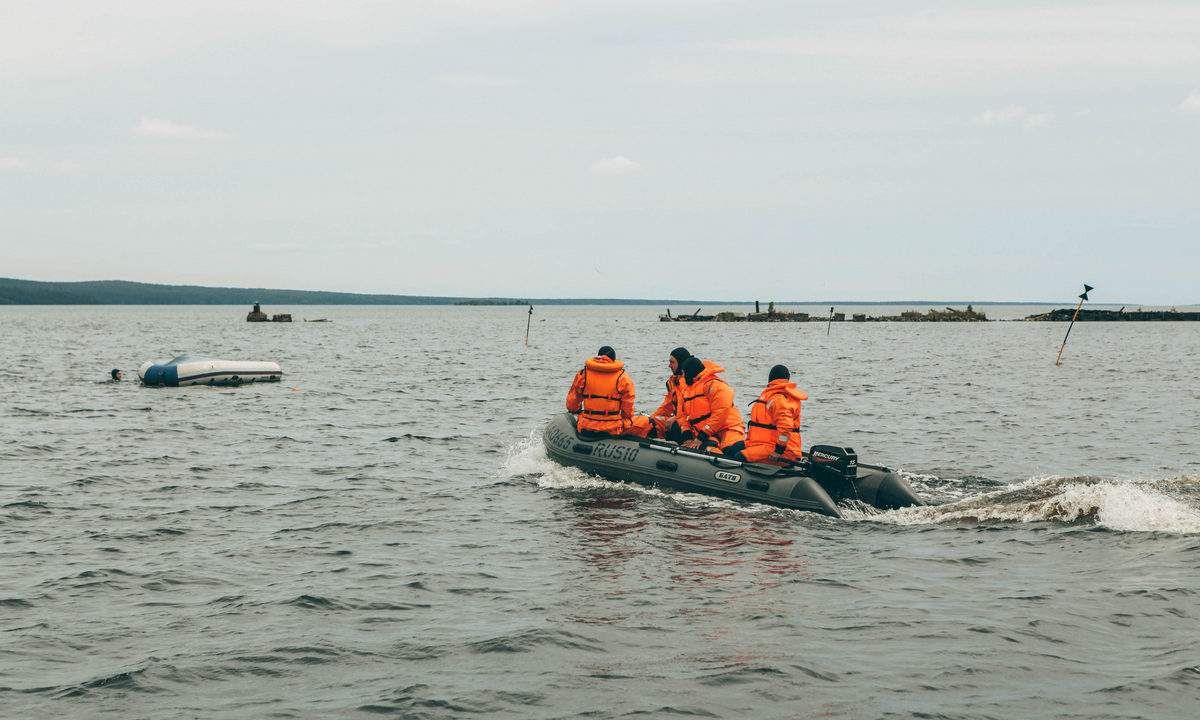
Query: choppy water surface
point(383, 534)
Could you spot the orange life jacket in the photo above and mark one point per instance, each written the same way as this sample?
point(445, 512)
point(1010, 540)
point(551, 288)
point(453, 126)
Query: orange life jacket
point(696, 407)
point(763, 429)
point(600, 396)
point(670, 406)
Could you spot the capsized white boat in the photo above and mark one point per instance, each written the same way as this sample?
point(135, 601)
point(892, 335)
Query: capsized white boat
point(200, 370)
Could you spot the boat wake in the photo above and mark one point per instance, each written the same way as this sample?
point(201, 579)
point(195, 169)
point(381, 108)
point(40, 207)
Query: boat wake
point(1168, 506)
point(528, 458)
point(1171, 506)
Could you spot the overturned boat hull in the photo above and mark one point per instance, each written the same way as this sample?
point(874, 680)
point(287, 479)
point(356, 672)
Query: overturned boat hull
point(818, 484)
point(200, 370)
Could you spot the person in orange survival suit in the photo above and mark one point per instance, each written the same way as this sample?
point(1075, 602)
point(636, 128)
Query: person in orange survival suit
point(773, 435)
point(665, 423)
point(707, 415)
point(603, 395)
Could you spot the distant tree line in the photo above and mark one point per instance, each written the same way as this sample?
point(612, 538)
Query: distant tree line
point(123, 292)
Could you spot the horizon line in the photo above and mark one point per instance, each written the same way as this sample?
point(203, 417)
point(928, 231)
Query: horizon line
point(519, 300)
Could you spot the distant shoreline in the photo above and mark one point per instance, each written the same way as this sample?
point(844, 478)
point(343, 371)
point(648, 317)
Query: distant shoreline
point(122, 292)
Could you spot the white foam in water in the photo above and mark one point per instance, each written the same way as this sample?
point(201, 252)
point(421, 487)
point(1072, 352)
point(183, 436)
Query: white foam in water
point(1135, 508)
point(1127, 506)
point(926, 485)
point(529, 458)
point(1117, 505)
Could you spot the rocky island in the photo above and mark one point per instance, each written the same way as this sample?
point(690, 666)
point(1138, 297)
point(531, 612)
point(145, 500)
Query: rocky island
point(1066, 314)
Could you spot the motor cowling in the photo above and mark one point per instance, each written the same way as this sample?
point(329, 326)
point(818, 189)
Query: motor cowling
point(834, 461)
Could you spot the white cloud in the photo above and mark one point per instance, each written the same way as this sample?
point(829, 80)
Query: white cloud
point(15, 164)
point(1192, 103)
point(619, 165)
point(1015, 43)
point(71, 39)
point(158, 129)
point(1037, 120)
point(1003, 116)
point(275, 247)
point(1014, 115)
point(695, 74)
point(12, 163)
point(481, 80)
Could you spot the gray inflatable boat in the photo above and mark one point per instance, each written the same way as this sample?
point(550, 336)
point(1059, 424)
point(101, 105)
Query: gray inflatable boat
point(827, 475)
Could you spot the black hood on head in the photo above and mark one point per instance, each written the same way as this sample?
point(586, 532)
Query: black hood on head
point(681, 355)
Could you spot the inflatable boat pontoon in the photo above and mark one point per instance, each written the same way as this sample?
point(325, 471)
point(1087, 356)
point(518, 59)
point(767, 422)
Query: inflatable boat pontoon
point(199, 370)
point(827, 475)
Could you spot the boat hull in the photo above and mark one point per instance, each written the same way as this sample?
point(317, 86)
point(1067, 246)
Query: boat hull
point(653, 462)
point(199, 370)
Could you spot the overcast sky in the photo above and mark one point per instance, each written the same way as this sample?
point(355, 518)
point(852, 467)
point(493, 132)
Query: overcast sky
point(1007, 150)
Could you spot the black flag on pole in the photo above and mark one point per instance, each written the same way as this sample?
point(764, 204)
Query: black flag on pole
point(1086, 289)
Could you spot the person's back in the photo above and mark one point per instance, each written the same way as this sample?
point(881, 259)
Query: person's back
point(603, 395)
point(773, 434)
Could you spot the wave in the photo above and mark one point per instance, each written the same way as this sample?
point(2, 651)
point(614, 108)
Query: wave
point(448, 440)
point(528, 457)
point(1120, 505)
point(128, 681)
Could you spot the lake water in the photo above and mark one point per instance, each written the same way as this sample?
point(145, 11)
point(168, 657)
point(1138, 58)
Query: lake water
point(382, 534)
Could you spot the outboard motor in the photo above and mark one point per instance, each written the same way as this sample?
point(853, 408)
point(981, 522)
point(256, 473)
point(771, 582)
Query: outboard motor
point(833, 462)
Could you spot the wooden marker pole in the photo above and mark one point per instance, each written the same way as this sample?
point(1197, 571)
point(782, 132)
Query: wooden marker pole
point(527, 321)
point(828, 324)
point(1082, 297)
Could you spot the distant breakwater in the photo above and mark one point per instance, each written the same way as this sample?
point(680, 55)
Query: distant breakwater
point(947, 315)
